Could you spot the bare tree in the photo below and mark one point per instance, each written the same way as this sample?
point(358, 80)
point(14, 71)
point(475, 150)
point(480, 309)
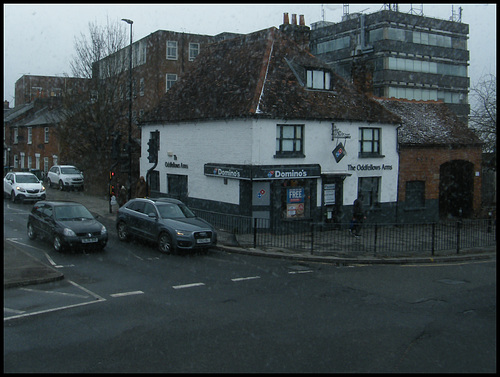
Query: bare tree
point(94, 114)
point(483, 117)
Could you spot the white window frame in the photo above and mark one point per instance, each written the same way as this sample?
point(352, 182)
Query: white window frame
point(172, 50)
point(170, 78)
point(317, 79)
point(194, 51)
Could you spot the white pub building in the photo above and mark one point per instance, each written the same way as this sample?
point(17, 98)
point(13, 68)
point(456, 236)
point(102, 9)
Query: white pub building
point(260, 127)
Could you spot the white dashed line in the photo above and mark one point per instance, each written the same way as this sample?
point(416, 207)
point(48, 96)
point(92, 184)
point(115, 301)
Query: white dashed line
point(187, 285)
point(247, 278)
point(300, 272)
point(127, 294)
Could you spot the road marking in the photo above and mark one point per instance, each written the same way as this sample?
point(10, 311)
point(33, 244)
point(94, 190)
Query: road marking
point(127, 294)
point(247, 278)
point(8, 310)
point(187, 285)
point(99, 298)
point(300, 272)
point(50, 310)
point(53, 292)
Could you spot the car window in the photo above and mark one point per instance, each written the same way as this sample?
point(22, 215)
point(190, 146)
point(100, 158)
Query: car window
point(70, 170)
point(25, 178)
point(72, 212)
point(149, 208)
point(47, 211)
point(174, 211)
point(37, 210)
point(136, 206)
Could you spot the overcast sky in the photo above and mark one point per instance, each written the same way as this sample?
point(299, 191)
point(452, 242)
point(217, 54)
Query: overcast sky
point(39, 38)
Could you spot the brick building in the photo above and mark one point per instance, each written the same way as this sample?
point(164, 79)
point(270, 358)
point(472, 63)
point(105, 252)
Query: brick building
point(158, 61)
point(29, 138)
point(31, 87)
point(440, 158)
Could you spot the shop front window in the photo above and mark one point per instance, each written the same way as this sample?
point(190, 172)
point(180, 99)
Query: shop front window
point(295, 199)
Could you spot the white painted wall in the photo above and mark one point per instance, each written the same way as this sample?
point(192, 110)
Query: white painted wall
point(254, 142)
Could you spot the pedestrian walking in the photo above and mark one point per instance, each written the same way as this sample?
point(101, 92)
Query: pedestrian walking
point(122, 196)
point(358, 216)
point(141, 189)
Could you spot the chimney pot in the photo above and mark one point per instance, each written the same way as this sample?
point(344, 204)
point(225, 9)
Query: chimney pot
point(294, 19)
point(302, 21)
point(286, 20)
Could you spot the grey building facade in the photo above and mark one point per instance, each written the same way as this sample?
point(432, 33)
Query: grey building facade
point(391, 54)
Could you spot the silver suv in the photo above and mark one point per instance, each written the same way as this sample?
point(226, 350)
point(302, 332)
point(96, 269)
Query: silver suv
point(65, 177)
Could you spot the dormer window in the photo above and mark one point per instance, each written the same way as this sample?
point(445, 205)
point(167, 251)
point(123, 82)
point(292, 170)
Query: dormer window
point(317, 79)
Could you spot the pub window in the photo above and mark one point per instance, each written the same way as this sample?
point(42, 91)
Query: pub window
point(46, 134)
point(171, 50)
point(295, 199)
point(290, 140)
point(16, 135)
point(318, 79)
point(177, 186)
point(194, 50)
point(369, 142)
point(369, 188)
point(415, 194)
point(30, 135)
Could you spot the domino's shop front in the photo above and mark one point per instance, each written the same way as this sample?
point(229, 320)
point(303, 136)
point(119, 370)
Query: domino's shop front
point(274, 192)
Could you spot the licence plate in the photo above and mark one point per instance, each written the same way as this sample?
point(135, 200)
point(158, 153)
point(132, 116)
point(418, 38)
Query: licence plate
point(89, 240)
point(203, 240)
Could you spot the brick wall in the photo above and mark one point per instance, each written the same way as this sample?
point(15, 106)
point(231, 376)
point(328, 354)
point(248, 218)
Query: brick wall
point(424, 164)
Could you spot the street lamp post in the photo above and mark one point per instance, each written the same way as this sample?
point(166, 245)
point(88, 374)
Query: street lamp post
point(130, 22)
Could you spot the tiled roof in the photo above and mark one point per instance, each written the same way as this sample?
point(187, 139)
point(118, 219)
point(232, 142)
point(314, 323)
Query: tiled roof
point(17, 112)
point(261, 75)
point(429, 123)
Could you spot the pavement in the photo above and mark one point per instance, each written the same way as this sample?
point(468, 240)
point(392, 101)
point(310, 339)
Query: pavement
point(21, 268)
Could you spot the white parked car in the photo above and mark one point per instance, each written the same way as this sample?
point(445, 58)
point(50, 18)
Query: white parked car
point(65, 177)
point(23, 187)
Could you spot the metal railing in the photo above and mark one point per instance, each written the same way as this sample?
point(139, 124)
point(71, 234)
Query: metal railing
point(443, 238)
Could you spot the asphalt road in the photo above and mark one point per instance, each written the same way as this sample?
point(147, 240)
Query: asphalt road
point(131, 309)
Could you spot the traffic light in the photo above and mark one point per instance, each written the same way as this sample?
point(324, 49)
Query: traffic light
point(153, 144)
point(111, 175)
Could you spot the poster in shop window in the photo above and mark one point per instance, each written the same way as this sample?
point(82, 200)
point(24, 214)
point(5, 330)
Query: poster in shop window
point(295, 202)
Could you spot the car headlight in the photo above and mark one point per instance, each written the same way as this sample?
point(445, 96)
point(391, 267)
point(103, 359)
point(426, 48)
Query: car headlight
point(43, 188)
point(68, 232)
point(103, 230)
point(181, 232)
point(19, 188)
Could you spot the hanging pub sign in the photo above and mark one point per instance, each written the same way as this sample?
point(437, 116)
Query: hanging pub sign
point(339, 152)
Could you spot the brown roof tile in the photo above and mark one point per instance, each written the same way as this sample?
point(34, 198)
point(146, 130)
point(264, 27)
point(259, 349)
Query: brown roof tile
point(261, 75)
point(429, 123)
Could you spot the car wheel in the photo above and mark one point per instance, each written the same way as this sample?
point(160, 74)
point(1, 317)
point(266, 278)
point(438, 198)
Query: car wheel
point(61, 186)
point(49, 183)
point(13, 196)
point(122, 231)
point(57, 243)
point(165, 243)
point(31, 232)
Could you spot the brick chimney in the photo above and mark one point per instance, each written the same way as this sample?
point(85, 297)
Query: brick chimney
point(285, 19)
point(299, 33)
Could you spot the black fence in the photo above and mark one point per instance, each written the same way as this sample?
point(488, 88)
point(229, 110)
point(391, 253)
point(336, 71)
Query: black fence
point(443, 238)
